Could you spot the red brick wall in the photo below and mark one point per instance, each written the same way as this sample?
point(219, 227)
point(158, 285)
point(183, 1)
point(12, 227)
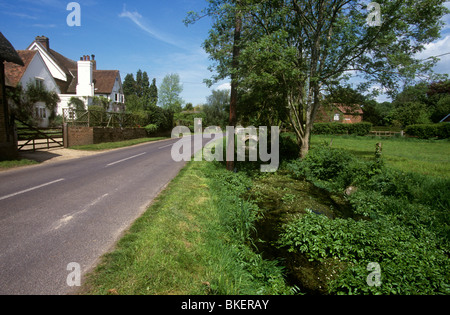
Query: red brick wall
point(93, 135)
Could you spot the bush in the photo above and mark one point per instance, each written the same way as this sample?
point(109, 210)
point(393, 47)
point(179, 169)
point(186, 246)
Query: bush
point(405, 227)
point(289, 149)
point(428, 131)
point(152, 128)
point(360, 129)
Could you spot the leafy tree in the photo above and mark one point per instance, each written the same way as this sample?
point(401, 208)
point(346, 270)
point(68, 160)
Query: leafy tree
point(129, 85)
point(169, 93)
point(303, 49)
point(216, 108)
point(189, 106)
point(153, 94)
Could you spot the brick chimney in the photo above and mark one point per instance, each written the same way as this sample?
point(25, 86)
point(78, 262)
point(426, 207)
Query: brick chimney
point(44, 41)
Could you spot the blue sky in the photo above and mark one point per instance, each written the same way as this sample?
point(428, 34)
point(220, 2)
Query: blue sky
point(124, 35)
point(131, 35)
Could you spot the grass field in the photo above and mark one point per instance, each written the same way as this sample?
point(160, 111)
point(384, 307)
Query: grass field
point(427, 157)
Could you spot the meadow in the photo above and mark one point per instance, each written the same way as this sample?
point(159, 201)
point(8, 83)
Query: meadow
point(427, 157)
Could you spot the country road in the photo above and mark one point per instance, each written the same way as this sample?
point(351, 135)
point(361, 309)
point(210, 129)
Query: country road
point(74, 211)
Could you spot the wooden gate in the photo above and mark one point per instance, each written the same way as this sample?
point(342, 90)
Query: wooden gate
point(32, 139)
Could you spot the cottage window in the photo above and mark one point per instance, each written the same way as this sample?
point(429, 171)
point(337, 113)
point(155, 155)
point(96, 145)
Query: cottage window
point(336, 117)
point(39, 83)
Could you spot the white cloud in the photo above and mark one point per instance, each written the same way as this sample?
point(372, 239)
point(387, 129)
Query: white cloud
point(437, 48)
point(224, 86)
point(138, 19)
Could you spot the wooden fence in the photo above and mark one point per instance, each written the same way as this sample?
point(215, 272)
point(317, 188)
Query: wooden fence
point(94, 118)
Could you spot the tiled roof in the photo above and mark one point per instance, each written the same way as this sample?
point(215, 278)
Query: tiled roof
point(104, 81)
point(14, 72)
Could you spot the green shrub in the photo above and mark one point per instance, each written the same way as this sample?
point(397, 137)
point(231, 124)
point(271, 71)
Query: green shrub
point(289, 149)
point(360, 129)
point(406, 226)
point(428, 131)
point(151, 128)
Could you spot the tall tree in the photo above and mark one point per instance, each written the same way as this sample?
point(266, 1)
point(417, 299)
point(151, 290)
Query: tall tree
point(129, 85)
point(153, 93)
point(169, 93)
point(306, 48)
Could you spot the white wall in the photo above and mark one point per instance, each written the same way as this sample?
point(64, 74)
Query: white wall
point(38, 70)
point(56, 72)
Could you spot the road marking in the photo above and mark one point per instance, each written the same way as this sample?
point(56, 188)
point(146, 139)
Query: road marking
point(169, 145)
point(31, 189)
point(131, 157)
point(68, 217)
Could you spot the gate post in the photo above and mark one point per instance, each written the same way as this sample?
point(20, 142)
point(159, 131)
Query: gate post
point(66, 135)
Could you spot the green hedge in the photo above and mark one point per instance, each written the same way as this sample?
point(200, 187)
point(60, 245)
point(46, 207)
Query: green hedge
point(428, 131)
point(360, 129)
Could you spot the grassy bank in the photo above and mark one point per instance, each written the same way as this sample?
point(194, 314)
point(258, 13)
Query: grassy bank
point(6, 165)
point(115, 145)
point(194, 239)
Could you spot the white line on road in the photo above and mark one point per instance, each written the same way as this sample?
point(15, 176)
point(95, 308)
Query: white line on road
point(169, 145)
point(31, 189)
point(131, 157)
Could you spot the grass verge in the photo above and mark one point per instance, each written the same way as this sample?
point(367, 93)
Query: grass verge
point(115, 145)
point(5, 165)
point(194, 239)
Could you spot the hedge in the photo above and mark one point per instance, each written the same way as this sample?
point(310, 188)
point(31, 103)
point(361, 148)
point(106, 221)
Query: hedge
point(428, 131)
point(360, 129)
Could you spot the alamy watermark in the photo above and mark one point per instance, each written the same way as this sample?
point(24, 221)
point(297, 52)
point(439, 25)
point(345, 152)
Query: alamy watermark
point(374, 17)
point(214, 150)
point(74, 17)
point(374, 278)
point(74, 277)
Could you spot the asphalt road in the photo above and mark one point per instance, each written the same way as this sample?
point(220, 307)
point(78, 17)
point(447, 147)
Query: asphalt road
point(73, 212)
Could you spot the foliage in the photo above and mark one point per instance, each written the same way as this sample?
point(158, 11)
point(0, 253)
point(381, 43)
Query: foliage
point(428, 131)
point(405, 226)
point(169, 93)
point(193, 240)
point(360, 129)
point(77, 103)
point(216, 108)
point(139, 94)
point(422, 103)
point(297, 51)
point(187, 119)
point(151, 128)
point(24, 100)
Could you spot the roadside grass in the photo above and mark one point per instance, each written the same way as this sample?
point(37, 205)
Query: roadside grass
point(193, 240)
point(115, 145)
point(426, 157)
point(5, 165)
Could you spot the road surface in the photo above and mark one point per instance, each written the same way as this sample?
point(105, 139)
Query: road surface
point(74, 211)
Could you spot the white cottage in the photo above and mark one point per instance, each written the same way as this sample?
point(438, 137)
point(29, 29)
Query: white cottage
point(35, 72)
point(81, 78)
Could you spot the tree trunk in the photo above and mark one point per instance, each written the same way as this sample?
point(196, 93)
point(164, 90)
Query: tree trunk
point(235, 65)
